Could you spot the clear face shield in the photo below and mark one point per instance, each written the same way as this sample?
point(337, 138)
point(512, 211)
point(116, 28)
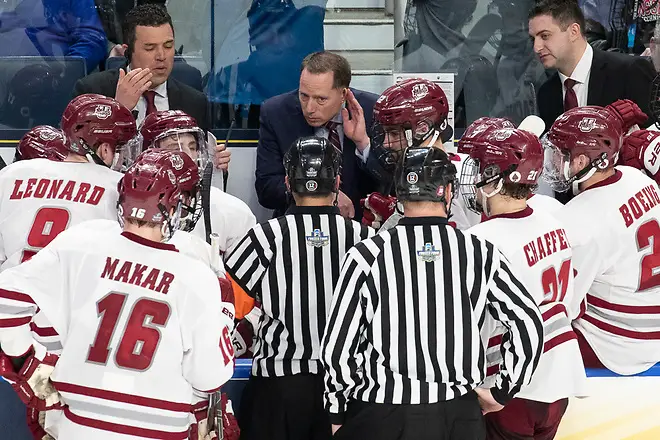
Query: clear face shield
point(556, 166)
point(190, 141)
point(125, 154)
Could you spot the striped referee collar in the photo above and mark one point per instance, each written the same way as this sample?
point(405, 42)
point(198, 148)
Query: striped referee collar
point(423, 221)
point(313, 210)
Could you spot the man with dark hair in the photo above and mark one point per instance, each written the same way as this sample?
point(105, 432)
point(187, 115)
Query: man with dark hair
point(145, 85)
point(585, 76)
point(324, 106)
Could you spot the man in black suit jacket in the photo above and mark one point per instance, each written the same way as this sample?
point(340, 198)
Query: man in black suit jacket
point(599, 77)
point(323, 105)
point(147, 86)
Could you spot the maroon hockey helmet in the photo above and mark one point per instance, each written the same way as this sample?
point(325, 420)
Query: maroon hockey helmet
point(175, 130)
point(157, 188)
point(416, 108)
point(480, 127)
point(42, 141)
point(592, 131)
point(90, 120)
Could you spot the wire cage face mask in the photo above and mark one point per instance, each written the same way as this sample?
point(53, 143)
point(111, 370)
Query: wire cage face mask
point(470, 177)
point(189, 141)
point(556, 166)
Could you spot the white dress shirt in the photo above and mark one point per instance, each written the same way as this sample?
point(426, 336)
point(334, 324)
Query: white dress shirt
point(581, 76)
point(324, 133)
point(160, 100)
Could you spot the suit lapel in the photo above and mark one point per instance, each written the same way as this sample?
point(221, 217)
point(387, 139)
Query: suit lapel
point(173, 94)
point(555, 87)
point(597, 79)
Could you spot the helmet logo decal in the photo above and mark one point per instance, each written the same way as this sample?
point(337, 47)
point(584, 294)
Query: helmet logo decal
point(177, 162)
point(419, 91)
point(311, 172)
point(48, 135)
point(102, 111)
point(412, 177)
point(515, 177)
point(440, 191)
point(587, 124)
point(502, 135)
point(311, 185)
point(172, 177)
point(381, 98)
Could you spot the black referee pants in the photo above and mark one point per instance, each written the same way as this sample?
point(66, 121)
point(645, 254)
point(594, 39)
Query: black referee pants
point(458, 419)
point(284, 408)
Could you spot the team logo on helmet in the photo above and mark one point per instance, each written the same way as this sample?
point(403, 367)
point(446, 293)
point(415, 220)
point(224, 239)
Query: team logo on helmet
point(412, 178)
point(587, 124)
point(515, 177)
point(172, 177)
point(102, 111)
point(419, 91)
point(48, 135)
point(317, 239)
point(502, 135)
point(311, 185)
point(311, 172)
point(177, 162)
point(428, 253)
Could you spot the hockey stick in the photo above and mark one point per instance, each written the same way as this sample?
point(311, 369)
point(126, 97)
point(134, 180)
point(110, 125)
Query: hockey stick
point(533, 124)
point(215, 399)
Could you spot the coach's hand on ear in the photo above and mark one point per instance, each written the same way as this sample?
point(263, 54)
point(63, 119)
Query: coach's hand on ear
point(355, 127)
point(131, 86)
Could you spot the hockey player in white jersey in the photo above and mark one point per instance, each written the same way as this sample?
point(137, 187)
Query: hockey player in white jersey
point(231, 218)
point(497, 179)
point(144, 328)
point(612, 226)
point(40, 198)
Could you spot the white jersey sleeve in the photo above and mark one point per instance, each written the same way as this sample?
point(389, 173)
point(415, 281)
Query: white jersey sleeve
point(614, 228)
point(536, 245)
point(231, 218)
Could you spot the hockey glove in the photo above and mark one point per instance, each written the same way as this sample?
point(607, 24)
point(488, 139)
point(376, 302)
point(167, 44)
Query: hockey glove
point(629, 112)
point(641, 150)
point(32, 383)
point(377, 209)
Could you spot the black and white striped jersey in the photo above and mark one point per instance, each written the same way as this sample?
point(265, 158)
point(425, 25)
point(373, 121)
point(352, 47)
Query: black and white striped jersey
point(404, 327)
point(291, 265)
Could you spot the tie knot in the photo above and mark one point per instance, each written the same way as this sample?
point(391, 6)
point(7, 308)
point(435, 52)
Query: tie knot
point(149, 95)
point(331, 125)
point(569, 83)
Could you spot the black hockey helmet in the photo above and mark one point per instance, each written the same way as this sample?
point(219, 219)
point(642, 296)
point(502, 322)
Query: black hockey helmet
point(312, 165)
point(423, 174)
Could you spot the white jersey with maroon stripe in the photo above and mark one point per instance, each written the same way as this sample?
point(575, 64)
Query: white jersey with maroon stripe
point(614, 230)
point(186, 243)
point(40, 198)
point(142, 327)
point(540, 254)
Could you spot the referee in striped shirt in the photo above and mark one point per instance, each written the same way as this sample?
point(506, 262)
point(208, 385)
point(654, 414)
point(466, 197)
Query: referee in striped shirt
point(291, 265)
point(402, 347)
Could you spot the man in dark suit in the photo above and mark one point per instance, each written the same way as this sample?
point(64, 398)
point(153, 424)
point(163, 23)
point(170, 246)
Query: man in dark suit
point(145, 85)
point(323, 105)
point(584, 76)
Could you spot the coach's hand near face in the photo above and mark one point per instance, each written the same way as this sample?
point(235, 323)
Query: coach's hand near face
point(324, 106)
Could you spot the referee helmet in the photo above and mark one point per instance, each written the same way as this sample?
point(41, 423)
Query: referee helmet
point(312, 165)
point(424, 174)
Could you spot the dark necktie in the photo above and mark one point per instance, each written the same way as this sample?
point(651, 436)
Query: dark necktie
point(333, 134)
point(570, 99)
point(150, 96)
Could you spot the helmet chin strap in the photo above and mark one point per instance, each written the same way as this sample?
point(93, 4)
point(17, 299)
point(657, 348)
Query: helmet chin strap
point(433, 134)
point(584, 174)
point(485, 196)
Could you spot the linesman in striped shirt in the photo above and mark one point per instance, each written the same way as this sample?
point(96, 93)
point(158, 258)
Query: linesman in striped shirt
point(291, 264)
point(402, 347)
